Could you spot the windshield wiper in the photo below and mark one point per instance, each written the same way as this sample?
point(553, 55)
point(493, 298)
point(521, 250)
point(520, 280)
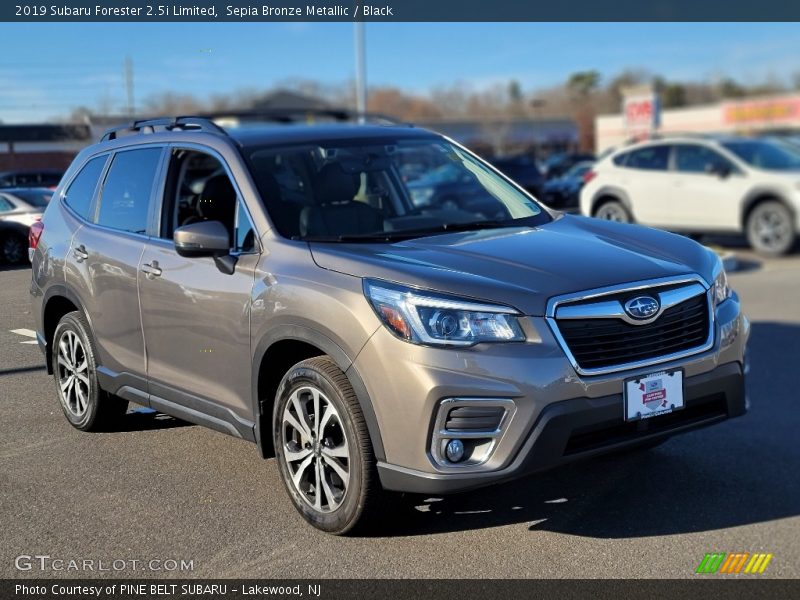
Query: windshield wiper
point(405, 234)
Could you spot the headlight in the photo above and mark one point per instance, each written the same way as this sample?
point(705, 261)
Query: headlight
point(427, 318)
point(722, 290)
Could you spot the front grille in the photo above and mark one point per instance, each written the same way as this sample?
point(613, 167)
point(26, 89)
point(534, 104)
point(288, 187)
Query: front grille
point(474, 418)
point(600, 343)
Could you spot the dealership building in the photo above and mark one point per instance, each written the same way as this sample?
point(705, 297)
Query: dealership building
point(751, 116)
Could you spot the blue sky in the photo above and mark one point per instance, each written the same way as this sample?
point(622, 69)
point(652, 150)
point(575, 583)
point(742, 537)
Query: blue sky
point(47, 68)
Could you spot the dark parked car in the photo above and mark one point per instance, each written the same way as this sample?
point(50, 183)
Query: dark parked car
point(523, 170)
point(19, 209)
point(454, 188)
point(48, 178)
point(558, 164)
point(564, 192)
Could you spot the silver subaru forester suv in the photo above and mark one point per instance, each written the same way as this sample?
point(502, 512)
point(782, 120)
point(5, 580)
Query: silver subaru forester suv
point(372, 305)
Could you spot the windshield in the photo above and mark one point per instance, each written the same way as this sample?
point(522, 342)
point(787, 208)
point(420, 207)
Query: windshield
point(384, 189)
point(766, 155)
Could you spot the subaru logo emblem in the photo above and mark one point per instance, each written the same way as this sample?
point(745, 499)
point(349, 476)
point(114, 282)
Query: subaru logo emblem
point(642, 307)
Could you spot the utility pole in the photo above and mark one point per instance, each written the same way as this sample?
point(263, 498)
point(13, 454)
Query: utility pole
point(361, 71)
point(131, 110)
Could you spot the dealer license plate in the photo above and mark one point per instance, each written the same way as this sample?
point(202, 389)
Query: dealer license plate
point(652, 395)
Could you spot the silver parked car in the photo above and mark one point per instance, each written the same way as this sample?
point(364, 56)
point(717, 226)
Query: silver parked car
point(299, 299)
point(19, 209)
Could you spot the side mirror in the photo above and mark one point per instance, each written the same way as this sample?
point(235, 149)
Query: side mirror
point(719, 169)
point(206, 238)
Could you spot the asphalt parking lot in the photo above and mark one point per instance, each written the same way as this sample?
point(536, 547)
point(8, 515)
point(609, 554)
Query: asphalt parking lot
point(162, 489)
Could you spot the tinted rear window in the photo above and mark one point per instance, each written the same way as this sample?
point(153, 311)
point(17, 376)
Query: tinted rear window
point(125, 200)
point(651, 158)
point(80, 192)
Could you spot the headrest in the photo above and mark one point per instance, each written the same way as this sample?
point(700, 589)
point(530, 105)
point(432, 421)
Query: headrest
point(333, 185)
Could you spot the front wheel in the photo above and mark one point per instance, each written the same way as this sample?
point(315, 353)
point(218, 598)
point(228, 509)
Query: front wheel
point(770, 229)
point(613, 210)
point(323, 449)
point(85, 405)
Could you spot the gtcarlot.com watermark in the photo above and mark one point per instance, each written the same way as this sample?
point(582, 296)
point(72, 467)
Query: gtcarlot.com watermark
point(45, 563)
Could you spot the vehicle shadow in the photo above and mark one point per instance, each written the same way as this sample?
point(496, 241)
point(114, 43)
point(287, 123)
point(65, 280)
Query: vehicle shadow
point(21, 267)
point(740, 472)
point(146, 419)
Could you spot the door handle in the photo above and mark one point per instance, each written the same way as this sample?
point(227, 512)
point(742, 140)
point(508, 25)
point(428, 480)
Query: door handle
point(152, 270)
point(80, 253)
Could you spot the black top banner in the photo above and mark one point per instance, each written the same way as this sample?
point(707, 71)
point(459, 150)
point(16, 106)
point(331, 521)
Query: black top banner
point(399, 10)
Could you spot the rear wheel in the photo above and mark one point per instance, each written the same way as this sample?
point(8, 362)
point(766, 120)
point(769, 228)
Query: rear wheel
point(14, 248)
point(613, 210)
point(770, 229)
point(323, 448)
point(85, 405)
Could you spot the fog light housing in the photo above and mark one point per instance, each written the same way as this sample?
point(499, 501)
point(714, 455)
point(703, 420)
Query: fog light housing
point(454, 451)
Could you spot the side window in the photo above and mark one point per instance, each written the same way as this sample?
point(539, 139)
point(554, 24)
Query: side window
point(245, 239)
point(5, 205)
point(125, 199)
point(621, 159)
point(50, 179)
point(651, 158)
point(80, 192)
point(27, 179)
point(198, 189)
point(693, 158)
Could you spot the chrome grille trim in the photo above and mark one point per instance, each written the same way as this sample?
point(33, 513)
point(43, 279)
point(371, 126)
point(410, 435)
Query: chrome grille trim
point(694, 286)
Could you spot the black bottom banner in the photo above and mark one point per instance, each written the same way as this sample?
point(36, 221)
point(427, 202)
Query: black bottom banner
point(398, 589)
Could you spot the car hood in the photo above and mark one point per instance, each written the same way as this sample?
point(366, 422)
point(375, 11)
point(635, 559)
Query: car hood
point(523, 267)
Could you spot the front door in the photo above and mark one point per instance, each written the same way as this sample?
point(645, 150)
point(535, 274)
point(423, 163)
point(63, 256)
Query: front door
point(196, 318)
point(707, 190)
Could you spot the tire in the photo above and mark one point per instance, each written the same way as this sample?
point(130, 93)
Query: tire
point(351, 493)
point(85, 405)
point(14, 249)
point(770, 229)
point(613, 210)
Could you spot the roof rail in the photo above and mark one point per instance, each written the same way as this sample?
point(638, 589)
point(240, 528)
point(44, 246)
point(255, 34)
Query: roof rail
point(668, 135)
point(297, 115)
point(168, 123)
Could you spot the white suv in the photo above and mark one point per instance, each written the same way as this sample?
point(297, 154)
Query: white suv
point(702, 185)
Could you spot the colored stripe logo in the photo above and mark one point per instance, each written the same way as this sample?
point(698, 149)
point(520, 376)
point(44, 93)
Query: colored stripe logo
point(735, 562)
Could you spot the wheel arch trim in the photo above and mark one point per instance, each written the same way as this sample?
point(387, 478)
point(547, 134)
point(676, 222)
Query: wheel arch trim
point(59, 291)
point(300, 333)
point(612, 191)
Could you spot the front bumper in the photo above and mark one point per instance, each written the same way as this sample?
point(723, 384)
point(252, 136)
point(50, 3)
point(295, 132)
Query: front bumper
point(559, 415)
point(583, 427)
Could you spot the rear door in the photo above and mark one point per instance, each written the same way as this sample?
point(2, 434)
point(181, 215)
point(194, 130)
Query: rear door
point(648, 182)
point(103, 262)
point(196, 318)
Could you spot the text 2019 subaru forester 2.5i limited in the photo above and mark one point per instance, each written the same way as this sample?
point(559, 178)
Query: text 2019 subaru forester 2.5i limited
point(278, 284)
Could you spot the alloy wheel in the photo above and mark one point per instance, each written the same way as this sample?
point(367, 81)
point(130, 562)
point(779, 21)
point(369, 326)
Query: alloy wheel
point(772, 229)
point(612, 212)
point(315, 449)
point(73, 374)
